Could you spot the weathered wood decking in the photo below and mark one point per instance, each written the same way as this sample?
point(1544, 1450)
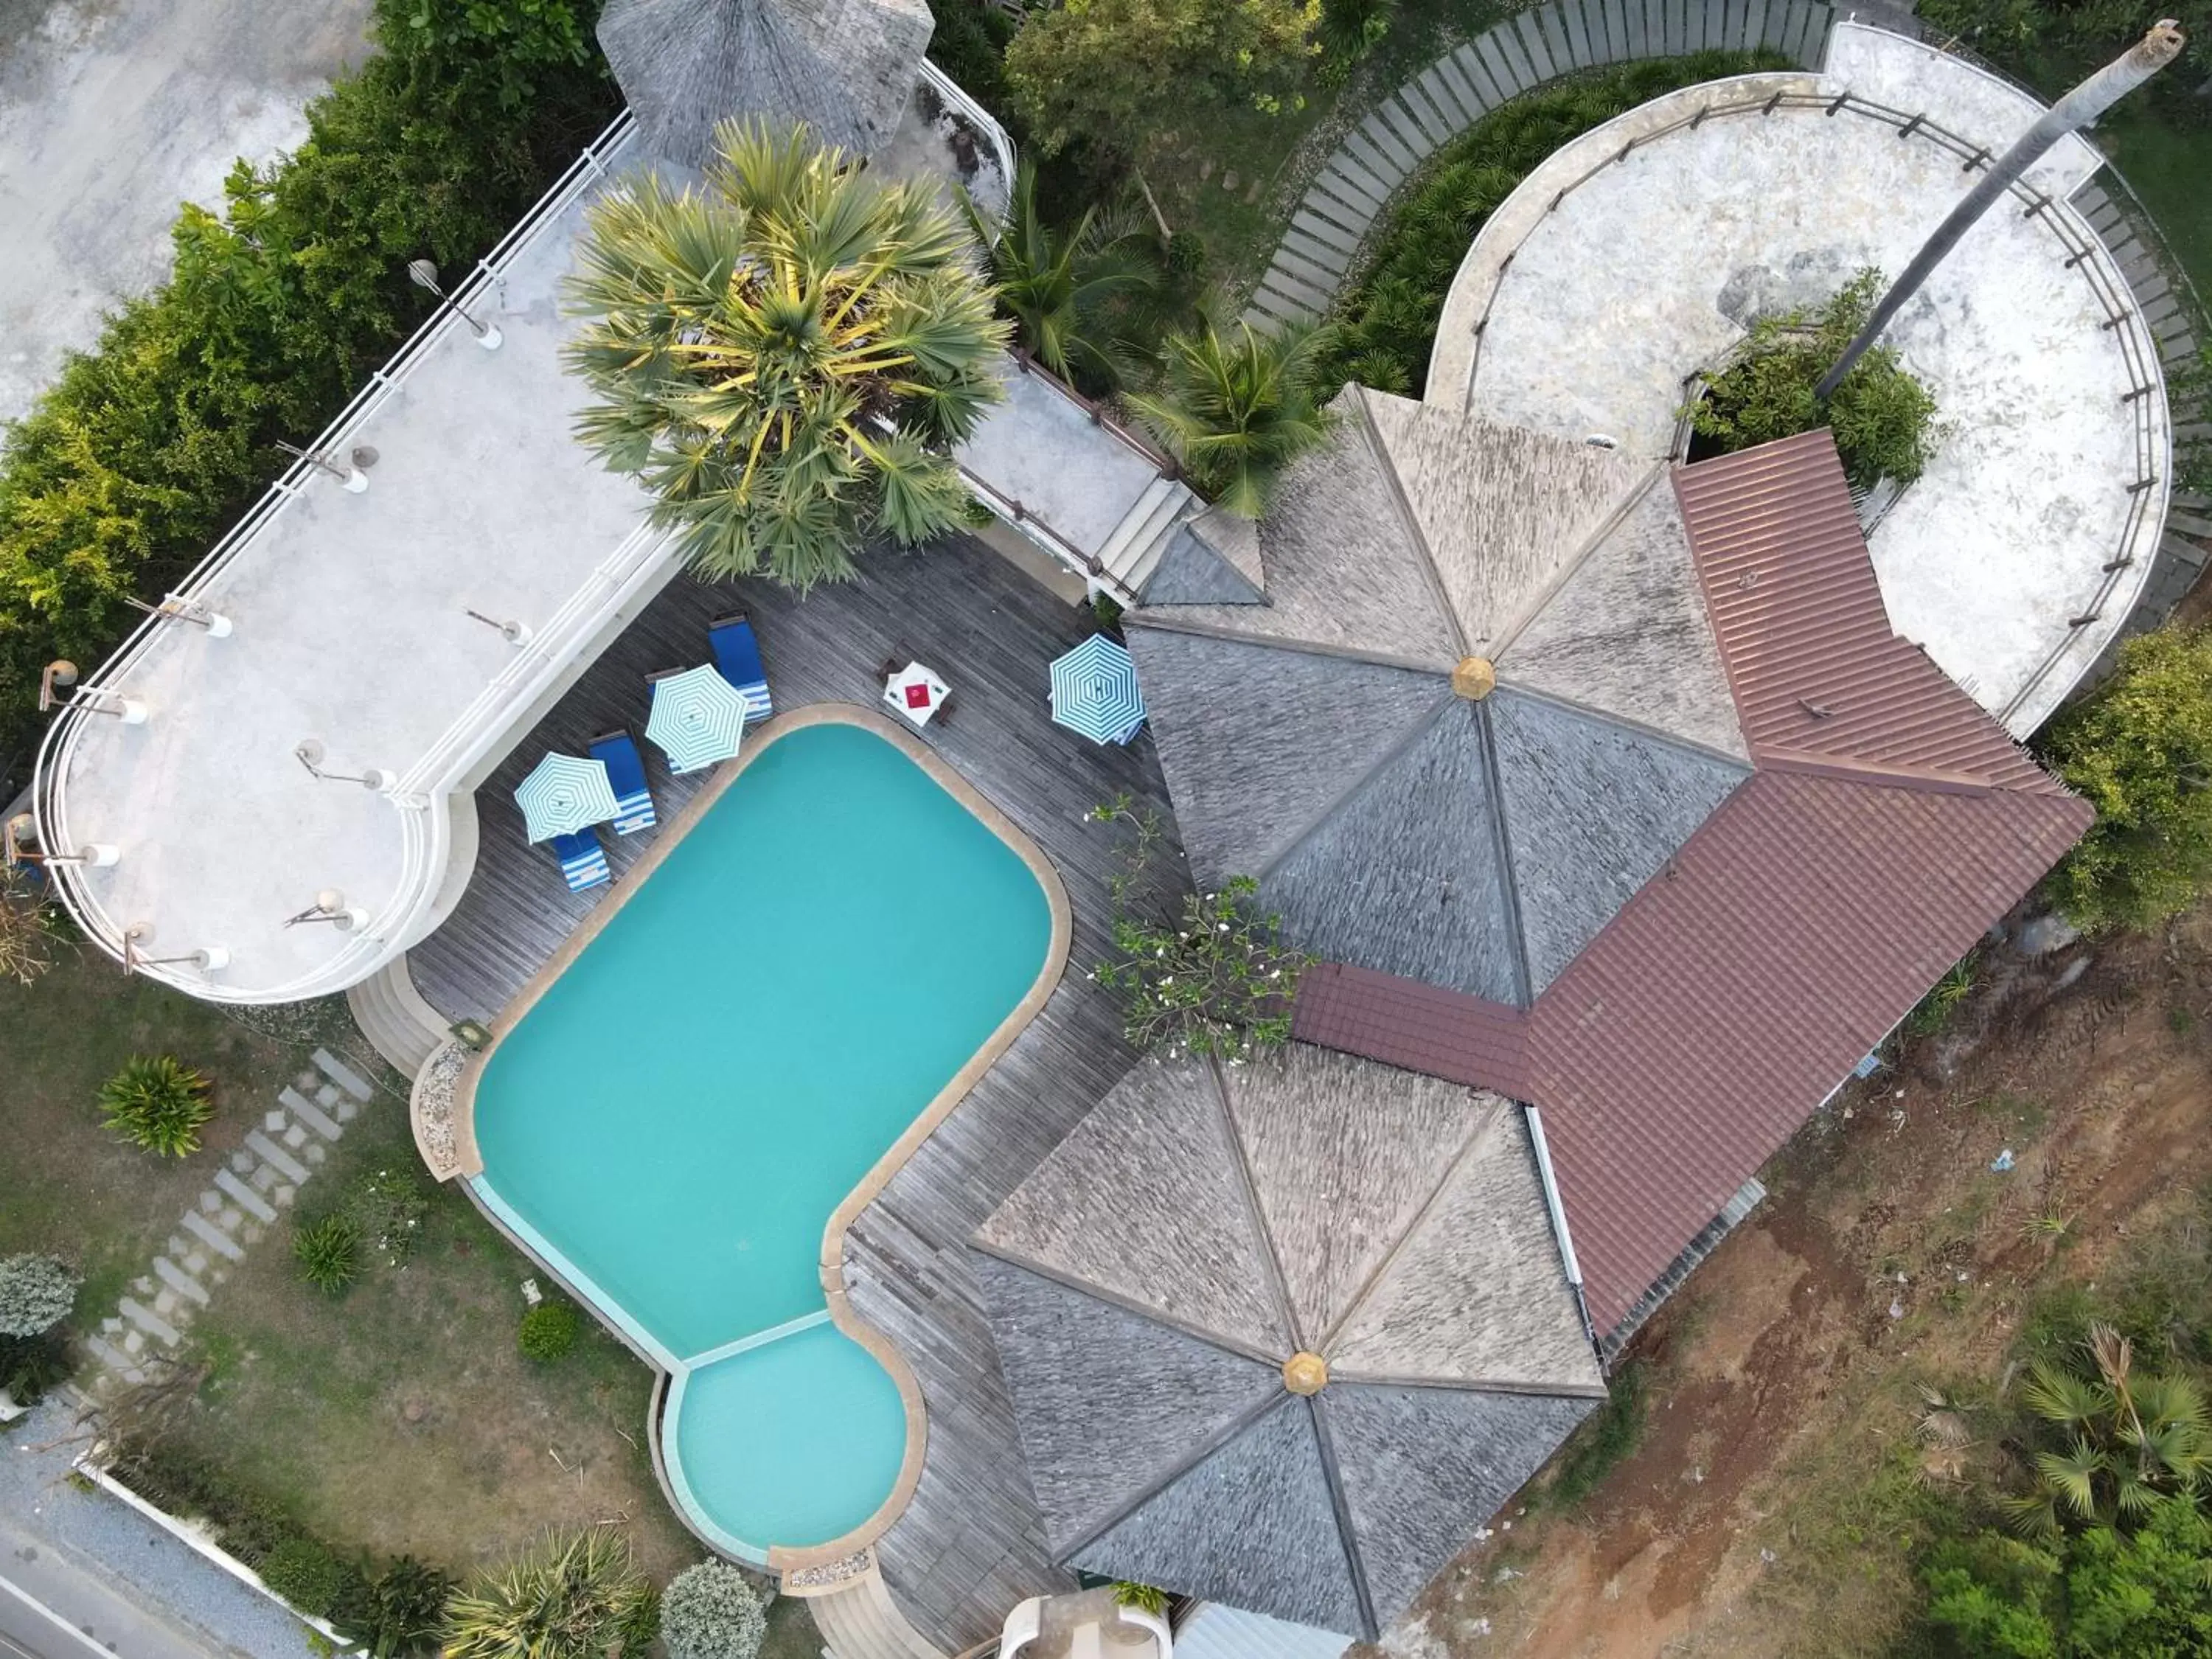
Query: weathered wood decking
point(970, 1544)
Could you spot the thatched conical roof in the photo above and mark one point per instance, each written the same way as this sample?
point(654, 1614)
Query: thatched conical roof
point(844, 67)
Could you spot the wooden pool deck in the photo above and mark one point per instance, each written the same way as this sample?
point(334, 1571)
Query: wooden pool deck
point(970, 1544)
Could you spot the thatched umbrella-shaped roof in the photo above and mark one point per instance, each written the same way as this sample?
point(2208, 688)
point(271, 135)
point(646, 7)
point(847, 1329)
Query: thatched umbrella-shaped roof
point(1453, 702)
point(1284, 1334)
point(844, 67)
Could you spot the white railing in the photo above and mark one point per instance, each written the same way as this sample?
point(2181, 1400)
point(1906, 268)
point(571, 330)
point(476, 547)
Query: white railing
point(425, 832)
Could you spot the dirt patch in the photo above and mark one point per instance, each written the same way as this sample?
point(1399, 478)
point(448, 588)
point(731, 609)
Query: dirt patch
point(1774, 1500)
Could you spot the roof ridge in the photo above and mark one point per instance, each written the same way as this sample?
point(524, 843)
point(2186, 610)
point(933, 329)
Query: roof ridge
point(1477, 1133)
point(1340, 1506)
point(1145, 618)
point(1406, 516)
point(1357, 1379)
point(1414, 732)
point(1502, 841)
point(1028, 1264)
point(1637, 729)
point(1247, 1190)
point(1226, 1432)
point(1600, 534)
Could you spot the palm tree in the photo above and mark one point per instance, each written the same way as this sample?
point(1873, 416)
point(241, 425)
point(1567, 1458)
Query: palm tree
point(577, 1596)
point(784, 357)
point(1060, 289)
point(1235, 412)
point(2125, 1441)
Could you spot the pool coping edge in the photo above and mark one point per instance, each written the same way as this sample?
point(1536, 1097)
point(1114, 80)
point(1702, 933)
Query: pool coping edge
point(468, 1164)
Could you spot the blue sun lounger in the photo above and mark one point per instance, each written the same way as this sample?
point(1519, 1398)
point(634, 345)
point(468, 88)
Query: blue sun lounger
point(617, 752)
point(737, 653)
point(583, 860)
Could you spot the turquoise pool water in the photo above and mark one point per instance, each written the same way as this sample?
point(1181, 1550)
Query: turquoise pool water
point(673, 1121)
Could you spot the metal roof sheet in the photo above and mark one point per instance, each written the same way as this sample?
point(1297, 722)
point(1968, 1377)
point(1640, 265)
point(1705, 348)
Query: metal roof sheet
point(1820, 681)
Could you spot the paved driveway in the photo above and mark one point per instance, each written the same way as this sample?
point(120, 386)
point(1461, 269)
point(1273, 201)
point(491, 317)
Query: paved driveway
point(112, 113)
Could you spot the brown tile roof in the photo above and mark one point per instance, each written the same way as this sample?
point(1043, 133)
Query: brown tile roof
point(1421, 1028)
point(1721, 1006)
point(1888, 823)
point(1820, 682)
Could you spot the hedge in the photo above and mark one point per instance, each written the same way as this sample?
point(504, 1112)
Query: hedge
point(1382, 331)
point(135, 461)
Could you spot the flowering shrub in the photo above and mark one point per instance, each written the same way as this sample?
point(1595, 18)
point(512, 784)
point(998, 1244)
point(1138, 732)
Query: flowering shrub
point(711, 1611)
point(1214, 980)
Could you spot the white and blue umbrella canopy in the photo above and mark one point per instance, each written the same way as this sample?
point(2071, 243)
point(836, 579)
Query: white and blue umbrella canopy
point(698, 717)
point(1094, 691)
point(562, 794)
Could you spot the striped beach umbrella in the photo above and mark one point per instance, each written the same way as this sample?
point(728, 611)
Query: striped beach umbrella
point(562, 794)
point(697, 718)
point(1094, 691)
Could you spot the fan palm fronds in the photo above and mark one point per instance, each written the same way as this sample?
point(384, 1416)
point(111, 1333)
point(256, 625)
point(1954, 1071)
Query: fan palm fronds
point(1237, 411)
point(576, 1595)
point(783, 357)
point(1058, 288)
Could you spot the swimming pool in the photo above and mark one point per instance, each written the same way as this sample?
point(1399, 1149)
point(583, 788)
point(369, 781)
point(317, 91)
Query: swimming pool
point(820, 960)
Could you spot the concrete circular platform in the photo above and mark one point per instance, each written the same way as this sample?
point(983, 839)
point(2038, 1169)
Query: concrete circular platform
point(1641, 252)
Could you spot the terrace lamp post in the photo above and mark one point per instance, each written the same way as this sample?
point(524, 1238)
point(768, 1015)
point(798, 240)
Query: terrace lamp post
point(329, 906)
point(310, 753)
point(353, 475)
point(173, 609)
point(424, 275)
point(22, 833)
point(61, 674)
point(207, 959)
point(2160, 46)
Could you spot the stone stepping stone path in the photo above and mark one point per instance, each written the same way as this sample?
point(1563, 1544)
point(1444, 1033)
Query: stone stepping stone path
point(281, 1154)
point(1458, 89)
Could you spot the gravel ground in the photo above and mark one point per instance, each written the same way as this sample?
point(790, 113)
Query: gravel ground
point(82, 1533)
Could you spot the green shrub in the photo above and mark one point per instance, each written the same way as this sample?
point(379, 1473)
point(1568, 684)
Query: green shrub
point(2139, 749)
point(549, 1331)
point(399, 1610)
point(1382, 331)
point(1607, 1439)
point(173, 1481)
point(29, 1365)
point(1186, 253)
point(712, 1611)
point(1349, 30)
point(389, 1206)
point(1883, 419)
point(328, 1252)
point(577, 1596)
point(36, 1294)
point(305, 1572)
point(159, 1105)
point(131, 465)
point(1145, 1598)
point(1933, 1011)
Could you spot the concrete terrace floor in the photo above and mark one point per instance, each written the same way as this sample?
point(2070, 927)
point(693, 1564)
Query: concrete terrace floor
point(113, 113)
point(970, 1544)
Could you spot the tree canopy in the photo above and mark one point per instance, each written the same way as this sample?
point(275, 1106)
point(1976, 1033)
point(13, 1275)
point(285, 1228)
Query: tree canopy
point(783, 357)
point(2140, 749)
point(1109, 70)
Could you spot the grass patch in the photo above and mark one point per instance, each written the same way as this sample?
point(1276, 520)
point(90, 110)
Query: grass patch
point(1608, 1439)
point(404, 1419)
point(1386, 326)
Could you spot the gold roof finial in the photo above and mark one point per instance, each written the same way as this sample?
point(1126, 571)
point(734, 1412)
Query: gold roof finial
point(1474, 678)
point(1305, 1373)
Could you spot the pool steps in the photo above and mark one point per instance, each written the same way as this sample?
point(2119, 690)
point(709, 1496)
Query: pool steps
point(858, 1619)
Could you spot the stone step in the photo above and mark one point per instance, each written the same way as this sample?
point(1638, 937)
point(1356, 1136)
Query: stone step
point(309, 1113)
point(1288, 263)
point(860, 1621)
point(1317, 227)
point(343, 1075)
point(150, 1323)
point(397, 1023)
point(179, 1281)
point(1118, 552)
point(1321, 256)
point(213, 1237)
point(281, 1161)
point(244, 1196)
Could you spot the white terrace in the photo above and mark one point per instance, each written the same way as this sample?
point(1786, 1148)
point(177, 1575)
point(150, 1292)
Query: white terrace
point(414, 632)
